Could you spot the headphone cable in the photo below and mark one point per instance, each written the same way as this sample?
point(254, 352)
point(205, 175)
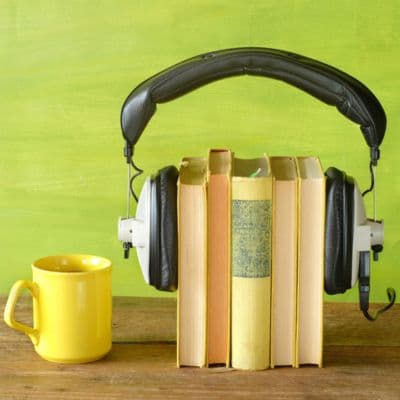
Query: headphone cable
point(364, 288)
point(391, 294)
point(372, 180)
point(139, 171)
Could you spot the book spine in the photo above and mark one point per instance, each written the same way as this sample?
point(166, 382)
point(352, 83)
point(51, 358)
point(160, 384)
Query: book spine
point(251, 272)
point(311, 216)
point(284, 274)
point(192, 264)
point(218, 289)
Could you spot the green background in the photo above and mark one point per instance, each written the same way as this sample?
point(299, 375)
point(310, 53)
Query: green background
point(66, 68)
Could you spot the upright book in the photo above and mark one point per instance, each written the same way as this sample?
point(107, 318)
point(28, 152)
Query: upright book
point(310, 260)
point(218, 256)
point(284, 262)
point(251, 263)
point(192, 262)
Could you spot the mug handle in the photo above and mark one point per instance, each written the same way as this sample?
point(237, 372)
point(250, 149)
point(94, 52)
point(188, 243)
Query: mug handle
point(9, 319)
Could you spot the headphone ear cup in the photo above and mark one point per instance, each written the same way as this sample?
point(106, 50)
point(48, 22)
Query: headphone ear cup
point(163, 230)
point(339, 228)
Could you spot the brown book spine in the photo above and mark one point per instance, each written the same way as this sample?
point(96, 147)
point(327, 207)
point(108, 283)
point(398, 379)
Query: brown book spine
point(218, 257)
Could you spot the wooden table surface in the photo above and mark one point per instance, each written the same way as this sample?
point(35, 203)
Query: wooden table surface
point(361, 361)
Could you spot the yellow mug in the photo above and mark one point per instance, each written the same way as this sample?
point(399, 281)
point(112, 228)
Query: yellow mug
point(72, 307)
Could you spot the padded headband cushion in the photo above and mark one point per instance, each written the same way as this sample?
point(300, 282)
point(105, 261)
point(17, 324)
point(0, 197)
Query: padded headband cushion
point(163, 230)
point(330, 85)
point(338, 231)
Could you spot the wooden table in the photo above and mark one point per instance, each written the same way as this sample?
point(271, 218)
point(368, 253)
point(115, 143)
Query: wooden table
point(361, 361)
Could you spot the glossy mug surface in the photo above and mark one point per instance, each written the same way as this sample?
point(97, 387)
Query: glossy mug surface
point(72, 307)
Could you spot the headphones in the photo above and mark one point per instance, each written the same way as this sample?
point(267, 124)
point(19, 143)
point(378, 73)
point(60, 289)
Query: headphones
point(349, 235)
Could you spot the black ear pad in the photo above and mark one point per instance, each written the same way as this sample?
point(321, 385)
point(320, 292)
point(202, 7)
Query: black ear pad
point(339, 228)
point(163, 229)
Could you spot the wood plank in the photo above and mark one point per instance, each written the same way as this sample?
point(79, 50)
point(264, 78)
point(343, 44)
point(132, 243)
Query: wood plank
point(361, 359)
point(148, 370)
point(146, 319)
point(344, 324)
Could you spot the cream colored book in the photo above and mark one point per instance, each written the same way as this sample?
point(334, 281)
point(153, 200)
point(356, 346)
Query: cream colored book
point(310, 260)
point(284, 262)
point(251, 263)
point(192, 262)
point(219, 256)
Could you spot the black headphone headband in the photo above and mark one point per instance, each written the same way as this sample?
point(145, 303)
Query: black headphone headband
point(330, 85)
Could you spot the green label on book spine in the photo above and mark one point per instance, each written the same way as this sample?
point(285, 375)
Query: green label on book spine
point(251, 238)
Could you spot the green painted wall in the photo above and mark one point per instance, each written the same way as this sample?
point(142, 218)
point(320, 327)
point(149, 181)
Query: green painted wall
point(66, 68)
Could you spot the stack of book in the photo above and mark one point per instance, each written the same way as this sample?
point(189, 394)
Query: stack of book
point(250, 259)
